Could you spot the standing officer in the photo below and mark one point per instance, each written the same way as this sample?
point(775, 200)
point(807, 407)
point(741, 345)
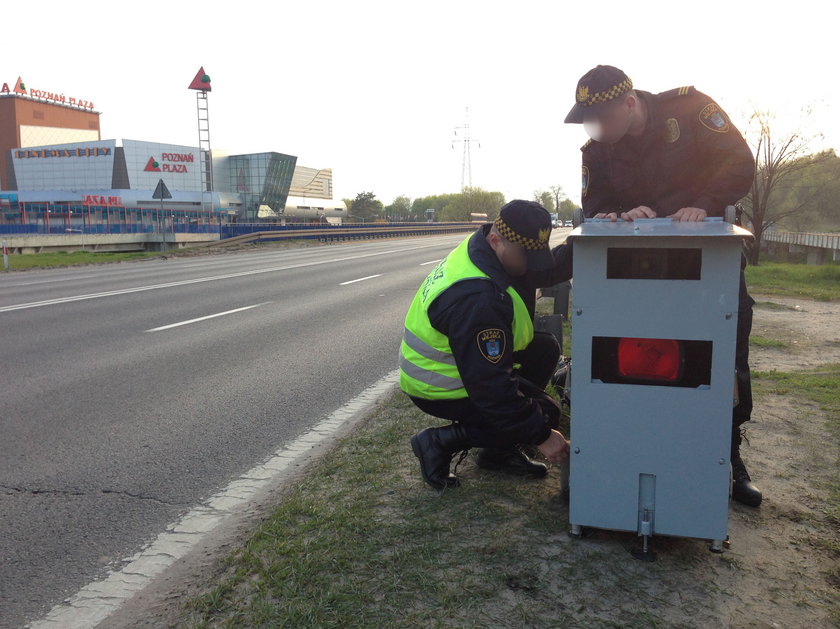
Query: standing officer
point(674, 154)
point(470, 354)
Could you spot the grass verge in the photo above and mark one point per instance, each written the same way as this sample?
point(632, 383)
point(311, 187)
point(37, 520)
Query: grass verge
point(73, 258)
point(22, 262)
point(363, 543)
point(795, 280)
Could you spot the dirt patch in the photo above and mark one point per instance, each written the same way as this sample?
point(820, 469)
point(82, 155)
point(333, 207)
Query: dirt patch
point(810, 331)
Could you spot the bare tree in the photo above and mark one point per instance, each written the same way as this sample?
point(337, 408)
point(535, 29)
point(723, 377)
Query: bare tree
point(558, 194)
point(776, 159)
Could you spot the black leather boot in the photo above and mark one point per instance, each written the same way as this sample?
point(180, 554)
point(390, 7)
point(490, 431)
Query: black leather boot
point(743, 490)
point(510, 460)
point(435, 447)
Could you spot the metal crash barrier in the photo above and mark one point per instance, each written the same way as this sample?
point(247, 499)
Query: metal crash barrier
point(654, 316)
point(262, 233)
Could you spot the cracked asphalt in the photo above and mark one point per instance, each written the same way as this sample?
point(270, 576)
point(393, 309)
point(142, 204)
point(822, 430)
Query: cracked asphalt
point(110, 432)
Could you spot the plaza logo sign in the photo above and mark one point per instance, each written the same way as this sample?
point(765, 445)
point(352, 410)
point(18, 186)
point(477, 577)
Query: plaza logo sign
point(55, 97)
point(170, 163)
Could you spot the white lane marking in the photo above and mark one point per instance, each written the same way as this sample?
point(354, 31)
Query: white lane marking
point(212, 316)
point(361, 279)
point(125, 291)
point(61, 279)
point(429, 262)
point(98, 600)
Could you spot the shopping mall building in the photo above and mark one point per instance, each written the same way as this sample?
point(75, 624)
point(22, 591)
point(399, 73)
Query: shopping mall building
point(52, 155)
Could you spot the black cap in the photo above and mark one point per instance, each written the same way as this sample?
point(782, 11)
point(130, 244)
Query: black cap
point(598, 87)
point(528, 224)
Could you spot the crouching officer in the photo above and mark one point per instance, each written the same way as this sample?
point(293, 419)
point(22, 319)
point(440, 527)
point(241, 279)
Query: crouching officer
point(470, 354)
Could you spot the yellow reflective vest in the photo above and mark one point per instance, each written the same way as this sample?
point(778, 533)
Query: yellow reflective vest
point(427, 365)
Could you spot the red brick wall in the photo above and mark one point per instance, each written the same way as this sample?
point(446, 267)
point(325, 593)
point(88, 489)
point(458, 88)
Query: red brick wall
point(17, 111)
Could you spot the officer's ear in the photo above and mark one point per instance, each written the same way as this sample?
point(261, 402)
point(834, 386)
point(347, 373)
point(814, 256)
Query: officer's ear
point(496, 242)
point(494, 238)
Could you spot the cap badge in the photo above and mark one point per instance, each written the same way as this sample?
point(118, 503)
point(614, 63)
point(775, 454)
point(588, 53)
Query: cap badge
point(582, 94)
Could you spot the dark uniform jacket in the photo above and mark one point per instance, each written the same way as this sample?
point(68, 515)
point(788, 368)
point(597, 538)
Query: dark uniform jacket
point(469, 307)
point(690, 155)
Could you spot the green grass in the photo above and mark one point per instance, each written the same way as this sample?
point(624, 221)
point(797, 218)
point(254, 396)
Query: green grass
point(22, 262)
point(761, 341)
point(822, 385)
point(73, 258)
point(795, 280)
point(363, 543)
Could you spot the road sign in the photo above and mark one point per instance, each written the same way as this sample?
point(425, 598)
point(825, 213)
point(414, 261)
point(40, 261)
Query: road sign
point(161, 192)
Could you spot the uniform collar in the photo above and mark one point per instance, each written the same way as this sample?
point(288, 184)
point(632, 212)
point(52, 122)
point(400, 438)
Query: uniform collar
point(636, 143)
point(654, 118)
point(483, 256)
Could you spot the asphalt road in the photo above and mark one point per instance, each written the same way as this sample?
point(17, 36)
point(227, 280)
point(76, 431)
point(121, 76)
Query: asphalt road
point(109, 431)
point(132, 392)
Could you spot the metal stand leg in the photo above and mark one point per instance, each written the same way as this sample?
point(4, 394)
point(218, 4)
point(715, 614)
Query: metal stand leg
point(576, 531)
point(644, 553)
point(718, 545)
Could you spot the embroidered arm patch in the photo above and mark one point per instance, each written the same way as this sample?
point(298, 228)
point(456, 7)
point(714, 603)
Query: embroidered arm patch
point(713, 118)
point(491, 344)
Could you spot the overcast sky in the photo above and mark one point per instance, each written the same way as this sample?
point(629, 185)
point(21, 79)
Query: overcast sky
point(375, 90)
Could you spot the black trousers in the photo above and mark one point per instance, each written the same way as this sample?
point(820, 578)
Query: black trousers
point(538, 362)
point(743, 410)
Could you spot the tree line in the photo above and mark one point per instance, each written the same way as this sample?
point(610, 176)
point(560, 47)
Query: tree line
point(453, 207)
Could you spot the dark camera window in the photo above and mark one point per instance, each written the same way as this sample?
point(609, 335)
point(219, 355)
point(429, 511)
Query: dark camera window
point(653, 264)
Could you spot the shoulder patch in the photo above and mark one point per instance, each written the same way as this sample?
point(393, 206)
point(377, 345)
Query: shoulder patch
point(491, 344)
point(674, 93)
point(714, 119)
point(584, 183)
point(672, 130)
